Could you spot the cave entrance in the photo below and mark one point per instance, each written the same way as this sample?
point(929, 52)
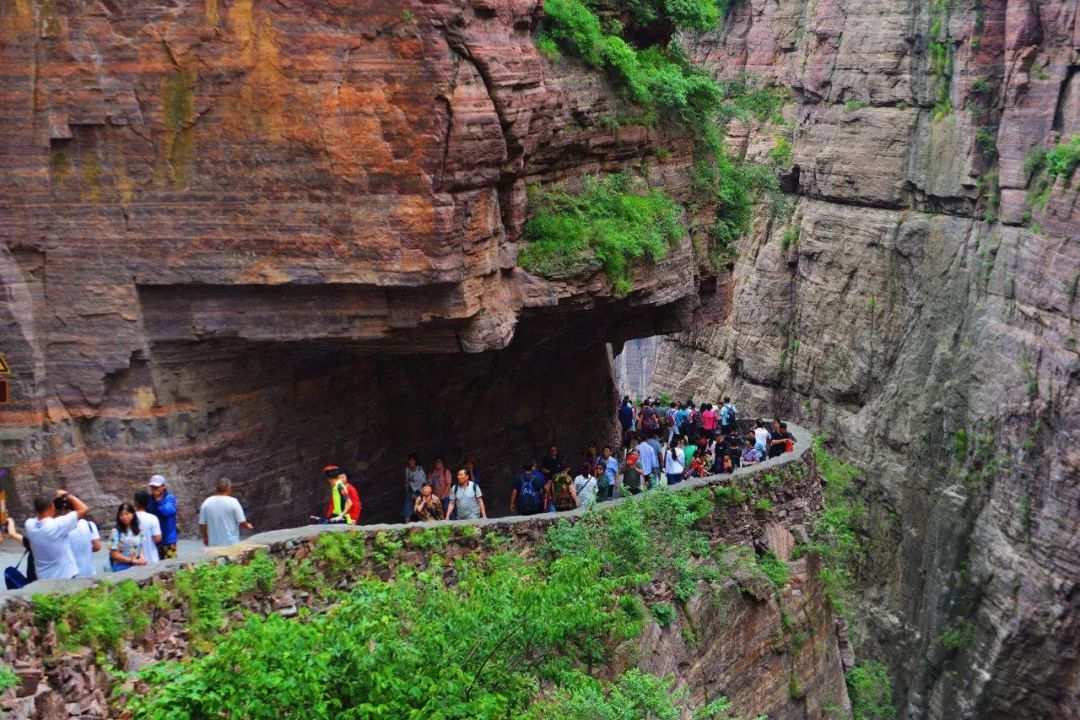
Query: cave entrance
point(271, 415)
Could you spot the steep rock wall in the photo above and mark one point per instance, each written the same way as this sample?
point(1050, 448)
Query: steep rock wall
point(225, 222)
point(924, 324)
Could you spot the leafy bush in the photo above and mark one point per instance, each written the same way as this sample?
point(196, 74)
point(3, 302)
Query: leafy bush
point(608, 222)
point(870, 691)
point(512, 624)
point(957, 635)
point(8, 678)
point(775, 569)
point(99, 617)
point(664, 614)
point(1063, 159)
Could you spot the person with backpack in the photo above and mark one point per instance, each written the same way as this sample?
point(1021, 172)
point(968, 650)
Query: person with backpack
point(626, 416)
point(728, 415)
point(428, 506)
point(586, 484)
point(611, 472)
point(562, 490)
point(529, 495)
point(13, 577)
point(414, 480)
point(466, 500)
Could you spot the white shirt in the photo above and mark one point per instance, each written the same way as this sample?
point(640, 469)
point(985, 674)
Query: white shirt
point(150, 526)
point(649, 461)
point(222, 515)
point(82, 540)
point(762, 436)
point(49, 543)
point(674, 461)
point(585, 487)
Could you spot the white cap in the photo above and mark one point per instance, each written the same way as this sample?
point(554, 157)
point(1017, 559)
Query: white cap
point(156, 480)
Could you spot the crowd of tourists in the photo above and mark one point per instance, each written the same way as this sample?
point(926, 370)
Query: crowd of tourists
point(63, 536)
point(662, 443)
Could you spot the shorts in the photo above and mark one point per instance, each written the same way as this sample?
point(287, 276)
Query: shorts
point(166, 550)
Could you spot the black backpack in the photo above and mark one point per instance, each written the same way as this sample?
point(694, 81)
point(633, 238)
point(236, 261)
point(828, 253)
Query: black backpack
point(528, 498)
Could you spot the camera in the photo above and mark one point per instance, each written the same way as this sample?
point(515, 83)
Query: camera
point(62, 504)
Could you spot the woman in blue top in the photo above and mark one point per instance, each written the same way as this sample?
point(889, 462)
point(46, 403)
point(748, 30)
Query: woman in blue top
point(126, 541)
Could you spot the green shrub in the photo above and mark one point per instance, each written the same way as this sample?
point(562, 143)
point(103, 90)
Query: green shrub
point(99, 617)
point(609, 223)
point(664, 614)
point(8, 678)
point(870, 691)
point(853, 105)
point(957, 634)
point(775, 569)
point(1063, 159)
point(782, 154)
point(763, 505)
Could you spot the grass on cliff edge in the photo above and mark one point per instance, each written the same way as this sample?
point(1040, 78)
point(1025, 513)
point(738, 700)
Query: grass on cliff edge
point(509, 635)
point(610, 223)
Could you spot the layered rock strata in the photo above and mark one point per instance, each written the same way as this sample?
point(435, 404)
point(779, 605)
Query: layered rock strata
point(250, 238)
point(925, 323)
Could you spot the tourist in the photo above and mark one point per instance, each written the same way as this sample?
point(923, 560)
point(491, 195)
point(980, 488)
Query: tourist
point(611, 471)
point(221, 517)
point(762, 437)
point(529, 494)
point(470, 467)
point(689, 450)
point(562, 490)
point(126, 542)
point(650, 417)
point(466, 500)
point(750, 455)
point(340, 508)
point(552, 463)
point(626, 417)
point(591, 455)
point(726, 466)
point(733, 445)
point(682, 419)
point(649, 461)
point(586, 484)
point(440, 480)
point(673, 462)
point(782, 440)
point(151, 526)
point(163, 506)
point(428, 506)
point(85, 541)
point(697, 467)
point(414, 480)
point(47, 535)
point(728, 414)
point(709, 421)
point(632, 471)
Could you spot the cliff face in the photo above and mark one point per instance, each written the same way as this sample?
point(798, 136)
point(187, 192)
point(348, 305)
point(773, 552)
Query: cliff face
point(925, 324)
point(250, 238)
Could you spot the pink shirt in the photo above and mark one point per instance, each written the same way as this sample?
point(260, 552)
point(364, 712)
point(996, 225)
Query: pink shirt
point(708, 420)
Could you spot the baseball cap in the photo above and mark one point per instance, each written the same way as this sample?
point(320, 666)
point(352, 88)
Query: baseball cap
point(332, 471)
point(156, 480)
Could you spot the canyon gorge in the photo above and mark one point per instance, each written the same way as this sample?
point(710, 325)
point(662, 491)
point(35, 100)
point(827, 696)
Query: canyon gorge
point(248, 238)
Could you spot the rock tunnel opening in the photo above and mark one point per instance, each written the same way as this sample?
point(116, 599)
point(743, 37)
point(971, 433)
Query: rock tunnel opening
point(267, 392)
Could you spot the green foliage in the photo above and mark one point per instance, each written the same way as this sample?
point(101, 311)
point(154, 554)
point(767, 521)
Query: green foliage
point(609, 222)
point(775, 569)
point(982, 86)
point(658, 79)
point(340, 552)
point(1045, 166)
point(731, 187)
point(8, 678)
point(781, 154)
point(870, 691)
point(986, 141)
point(99, 617)
point(211, 591)
point(522, 632)
point(853, 105)
point(791, 236)
point(763, 505)
point(664, 614)
point(957, 634)
point(961, 444)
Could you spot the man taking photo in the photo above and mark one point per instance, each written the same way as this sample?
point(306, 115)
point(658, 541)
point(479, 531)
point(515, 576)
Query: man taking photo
point(48, 534)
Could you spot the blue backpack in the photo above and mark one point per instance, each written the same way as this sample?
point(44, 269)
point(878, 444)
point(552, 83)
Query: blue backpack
point(13, 577)
point(528, 499)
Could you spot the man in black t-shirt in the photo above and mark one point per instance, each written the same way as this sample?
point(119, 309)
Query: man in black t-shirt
point(552, 463)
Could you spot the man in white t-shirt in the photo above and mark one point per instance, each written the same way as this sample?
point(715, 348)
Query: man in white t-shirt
point(221, 517)
point(150, 526)
point(48, 535)
point(85, 540)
